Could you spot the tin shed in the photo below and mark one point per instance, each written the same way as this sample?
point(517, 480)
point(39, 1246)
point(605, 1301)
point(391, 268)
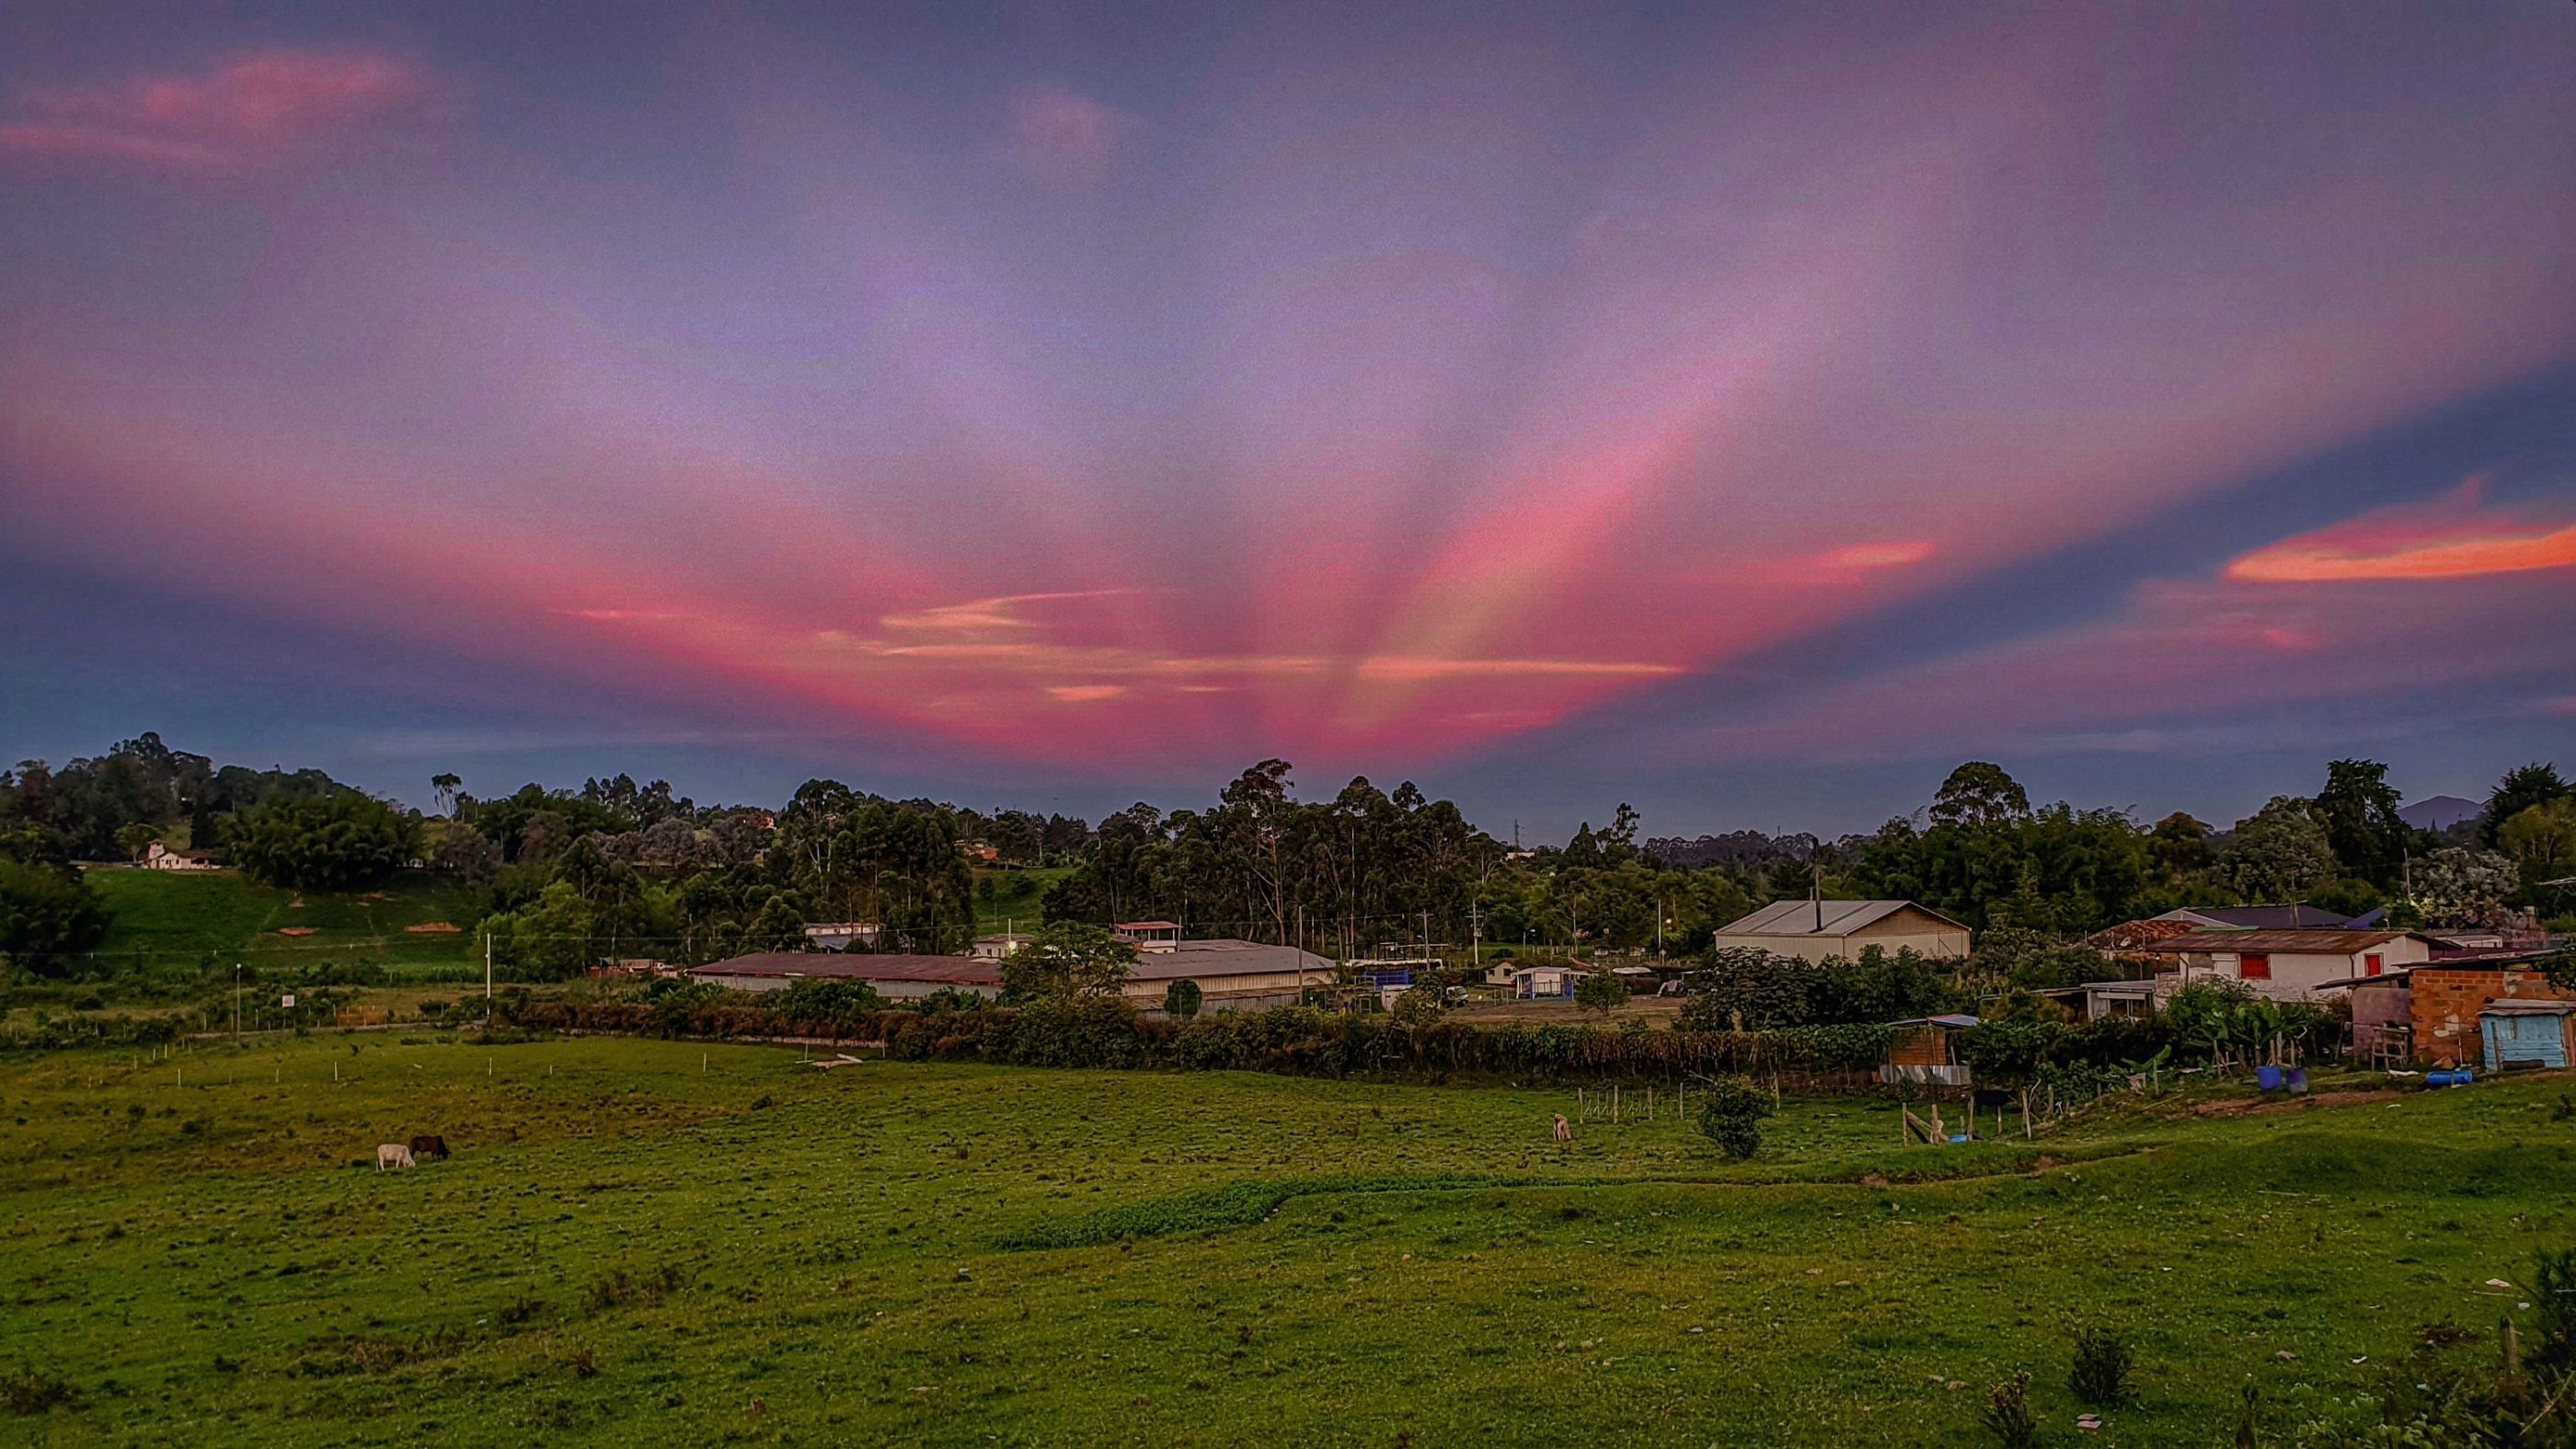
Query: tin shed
point(2529, 1034)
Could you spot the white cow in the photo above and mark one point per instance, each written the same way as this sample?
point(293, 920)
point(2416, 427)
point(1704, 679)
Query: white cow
point(392, 1154)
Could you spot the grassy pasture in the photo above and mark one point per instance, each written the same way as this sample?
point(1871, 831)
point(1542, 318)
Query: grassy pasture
point(661, 1242)
point(164, 919)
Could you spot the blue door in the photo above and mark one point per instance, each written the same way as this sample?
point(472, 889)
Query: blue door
point(2519, 1038)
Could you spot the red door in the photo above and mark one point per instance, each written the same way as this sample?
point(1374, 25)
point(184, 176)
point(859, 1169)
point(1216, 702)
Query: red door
point(2254, 968)
point(2370, 964)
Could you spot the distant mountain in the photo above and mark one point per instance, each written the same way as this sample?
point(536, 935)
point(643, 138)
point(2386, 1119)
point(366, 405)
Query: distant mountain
point(2439, 813)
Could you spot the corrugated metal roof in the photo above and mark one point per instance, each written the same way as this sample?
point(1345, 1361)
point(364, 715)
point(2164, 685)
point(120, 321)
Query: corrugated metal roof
point(958, 970)
point(2527, 1008)
point(2277, 943)
point(1821, 918)
point(1226, 958)
point(2294, 916)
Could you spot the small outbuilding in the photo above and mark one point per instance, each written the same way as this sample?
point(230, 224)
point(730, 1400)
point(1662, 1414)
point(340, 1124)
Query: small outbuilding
point(1531, 982)
point(2528, 1034)
point(1926, 1050)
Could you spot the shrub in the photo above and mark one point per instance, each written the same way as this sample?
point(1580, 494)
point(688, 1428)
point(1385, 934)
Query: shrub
point(1600, 991)
point(2102, 1364)
point(1731, 1113)
point(2553, 1301)
point(29, 1392)
point(621, 1288)
point(1181, 999)
point(2007, 1413)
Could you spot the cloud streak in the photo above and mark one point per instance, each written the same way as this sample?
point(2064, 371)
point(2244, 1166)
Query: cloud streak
point(251, 107)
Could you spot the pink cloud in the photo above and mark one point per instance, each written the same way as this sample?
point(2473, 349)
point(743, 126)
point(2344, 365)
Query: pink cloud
point(251, 107)
point(1064, 139)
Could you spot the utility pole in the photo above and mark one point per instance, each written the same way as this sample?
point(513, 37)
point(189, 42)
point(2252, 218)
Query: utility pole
point(487, 977)
point(236, 1003)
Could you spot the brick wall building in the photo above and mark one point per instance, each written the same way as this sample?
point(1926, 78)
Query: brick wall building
point(2446, 1001)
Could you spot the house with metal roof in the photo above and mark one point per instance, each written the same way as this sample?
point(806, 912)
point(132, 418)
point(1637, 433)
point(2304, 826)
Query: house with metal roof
point(2287, 965)
point(1814, 930)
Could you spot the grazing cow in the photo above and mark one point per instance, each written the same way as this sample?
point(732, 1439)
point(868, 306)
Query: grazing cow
point(392, 1154)
point(428, 1146)
point(1563, 1132)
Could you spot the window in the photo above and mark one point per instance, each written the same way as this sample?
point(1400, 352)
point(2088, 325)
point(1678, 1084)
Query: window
point(2254, 968)
point(2370, 964)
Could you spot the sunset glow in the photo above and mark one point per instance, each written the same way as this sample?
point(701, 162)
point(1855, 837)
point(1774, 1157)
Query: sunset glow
point(1394, 394)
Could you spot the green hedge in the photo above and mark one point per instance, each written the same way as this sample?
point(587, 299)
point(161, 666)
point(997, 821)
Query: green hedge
point(1289, 1039)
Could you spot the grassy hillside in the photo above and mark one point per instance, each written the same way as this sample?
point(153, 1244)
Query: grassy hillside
point(1017, 897)
point(162, 918)
point(660, 1241)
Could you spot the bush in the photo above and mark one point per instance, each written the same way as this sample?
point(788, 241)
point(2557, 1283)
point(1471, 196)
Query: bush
point(2007, 1413)
point(28, 1392)
point(1731, 1113)
point(2102, 1364)
point(2553, 1301)
point(1182, 999)
point(1600, 991)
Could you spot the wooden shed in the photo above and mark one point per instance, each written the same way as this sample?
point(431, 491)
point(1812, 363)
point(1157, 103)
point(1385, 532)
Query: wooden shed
point(2528, 1034)
point(1925, 1050)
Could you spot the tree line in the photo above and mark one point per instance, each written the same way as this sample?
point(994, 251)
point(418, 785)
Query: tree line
point(569, 877)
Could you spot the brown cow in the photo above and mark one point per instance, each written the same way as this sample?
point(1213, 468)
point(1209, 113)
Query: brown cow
point(428, 1146)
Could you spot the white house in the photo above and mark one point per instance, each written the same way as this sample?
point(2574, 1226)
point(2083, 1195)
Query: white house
point(999, 944)
point(2283, 965)
point(161, 857)
point(1814, 930)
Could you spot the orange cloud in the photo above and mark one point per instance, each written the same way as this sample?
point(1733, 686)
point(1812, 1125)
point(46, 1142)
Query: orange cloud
point(2301, 562)
point(252, 106)
point(2452, 536)
point(1885, 554)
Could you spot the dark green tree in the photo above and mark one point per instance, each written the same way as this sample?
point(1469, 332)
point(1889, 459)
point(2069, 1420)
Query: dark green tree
point(2358, 808)
point(46, 913)
point(340, 841)
point(1979, 794)
point(2521, 788)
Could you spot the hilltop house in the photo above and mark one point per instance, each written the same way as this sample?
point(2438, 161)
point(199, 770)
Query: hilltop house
point(1814, 930)
point(161, 857)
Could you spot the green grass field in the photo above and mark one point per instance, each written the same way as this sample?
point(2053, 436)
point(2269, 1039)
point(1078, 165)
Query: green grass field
point(659, 1242)
point(167, 919)
point(1021, 908)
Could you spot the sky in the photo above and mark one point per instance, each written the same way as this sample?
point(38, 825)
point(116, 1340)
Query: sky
point(1746, 411)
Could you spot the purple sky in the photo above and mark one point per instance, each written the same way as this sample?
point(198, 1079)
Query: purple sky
point(1746, 411)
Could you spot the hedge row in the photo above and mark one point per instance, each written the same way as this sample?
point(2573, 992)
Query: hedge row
point(1289, 1039)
